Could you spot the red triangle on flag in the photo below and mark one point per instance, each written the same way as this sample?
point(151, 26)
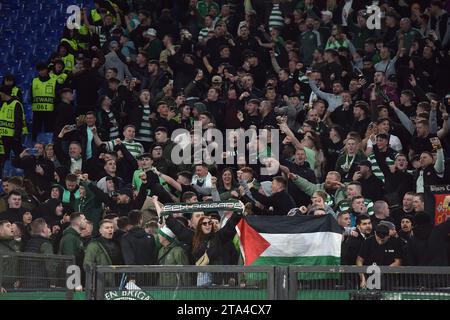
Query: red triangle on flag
point(251, 241)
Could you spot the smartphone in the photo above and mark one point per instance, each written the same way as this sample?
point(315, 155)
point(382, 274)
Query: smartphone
point(32, 151)
point(134, 79)
point(72, 127)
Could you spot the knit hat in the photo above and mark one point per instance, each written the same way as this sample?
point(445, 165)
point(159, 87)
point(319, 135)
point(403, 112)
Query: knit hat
point(410, 217)
point(167, 233)
point(267, 187)
point(200, 107)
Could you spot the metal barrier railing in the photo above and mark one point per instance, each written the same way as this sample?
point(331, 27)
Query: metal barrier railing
point(34, 276)
point(184, 283)
point(385, 283)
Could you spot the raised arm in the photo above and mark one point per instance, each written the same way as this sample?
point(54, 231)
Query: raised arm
point(406, 122)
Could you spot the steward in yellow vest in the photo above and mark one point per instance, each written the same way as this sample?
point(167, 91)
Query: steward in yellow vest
point(57, 72)
point(12, 122)
point(10, 82)
point(43, 93)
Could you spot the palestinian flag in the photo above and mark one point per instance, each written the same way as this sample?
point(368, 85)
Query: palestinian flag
point(297, 240)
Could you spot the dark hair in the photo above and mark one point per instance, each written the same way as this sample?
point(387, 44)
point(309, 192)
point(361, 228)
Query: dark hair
point(111, 216)
point(198, 234)
point(381, 120)
point(206, 113)
point(187, 195)
point(14, 193)
point(135, 217)
point(383, 136)
point(185, 174)
point(71, 177)
point(437, 3)
point(3, 222)
point(356, 198)
point(75, 216)
point(122, 222)
point(281, 180)
point(360, 218)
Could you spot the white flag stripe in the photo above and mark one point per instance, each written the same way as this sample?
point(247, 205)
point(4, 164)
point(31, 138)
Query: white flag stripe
point(303, 244)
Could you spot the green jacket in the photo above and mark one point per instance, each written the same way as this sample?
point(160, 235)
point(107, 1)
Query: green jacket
point(90, 206)
point(97, 255)
point(173, 255)
point(9, 267)
point(71, 245)
point(8, 246)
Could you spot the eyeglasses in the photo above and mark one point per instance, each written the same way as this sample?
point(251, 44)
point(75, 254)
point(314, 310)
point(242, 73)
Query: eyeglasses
point(206, 223)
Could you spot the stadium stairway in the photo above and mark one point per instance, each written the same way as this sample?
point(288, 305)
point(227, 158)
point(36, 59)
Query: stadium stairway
point(29, 32)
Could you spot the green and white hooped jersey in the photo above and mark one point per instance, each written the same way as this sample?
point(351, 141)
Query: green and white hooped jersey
point(344, 205)
point(376, 168)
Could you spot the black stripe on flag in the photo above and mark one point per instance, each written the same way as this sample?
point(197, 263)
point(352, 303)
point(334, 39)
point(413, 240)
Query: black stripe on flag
point(296, 224)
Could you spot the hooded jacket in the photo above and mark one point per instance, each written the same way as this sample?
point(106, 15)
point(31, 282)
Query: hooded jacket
point(138, 247)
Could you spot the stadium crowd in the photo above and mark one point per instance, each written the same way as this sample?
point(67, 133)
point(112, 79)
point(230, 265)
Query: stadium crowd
point(362, 115)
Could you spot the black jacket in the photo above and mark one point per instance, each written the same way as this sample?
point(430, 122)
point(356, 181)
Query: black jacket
point(281, 202)
point(350, 249)
point(64, 157)
point(372, 188)
point(64, 115)
point(29, 163)
point(213, 244)
point(138, 247)
point(12, 215)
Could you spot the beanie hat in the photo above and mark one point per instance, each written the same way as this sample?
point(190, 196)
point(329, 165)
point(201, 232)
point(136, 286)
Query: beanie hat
point(267, 187)
point(200, 107)
point(167, 233)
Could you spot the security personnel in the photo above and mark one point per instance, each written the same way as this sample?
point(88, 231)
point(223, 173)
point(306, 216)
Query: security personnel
point(12, 123)
point(83, 37)
point(10, 81)
point(69, 42)
point(66, 57)
point(43, 92)
point(57, 72)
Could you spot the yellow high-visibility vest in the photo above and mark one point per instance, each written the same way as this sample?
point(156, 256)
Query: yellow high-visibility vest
point(69, 62)
point(43, 94)
point(96, 17)
point(2, 148)
point(60, 78)
point(15, 91)
point(84, 31)
point(71, 42)
point(7, 124)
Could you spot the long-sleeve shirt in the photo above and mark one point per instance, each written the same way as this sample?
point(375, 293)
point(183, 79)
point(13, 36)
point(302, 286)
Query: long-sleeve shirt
point(439, 167)
point(333, 100)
